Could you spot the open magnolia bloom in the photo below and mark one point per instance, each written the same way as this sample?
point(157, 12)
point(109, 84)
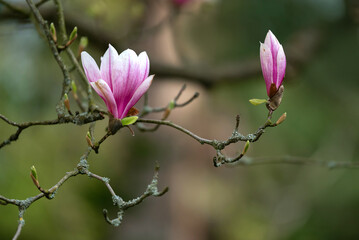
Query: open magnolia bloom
point(121, 80)
point(273, 63)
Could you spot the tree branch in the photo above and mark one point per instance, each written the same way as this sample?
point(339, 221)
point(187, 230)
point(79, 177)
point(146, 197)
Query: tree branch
point(54, 49)
point(79, 119)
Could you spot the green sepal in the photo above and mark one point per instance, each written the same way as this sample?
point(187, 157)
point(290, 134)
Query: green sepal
point(256, 101)
point(128, 120)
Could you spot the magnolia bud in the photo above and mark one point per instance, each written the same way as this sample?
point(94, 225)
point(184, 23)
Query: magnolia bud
point(273, 63)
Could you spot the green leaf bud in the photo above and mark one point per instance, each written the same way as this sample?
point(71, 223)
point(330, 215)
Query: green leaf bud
point(128, 120)
point(84, 42)
point(73, 87)
point(53, 32)
point(281, 119)
point(73, 34)
point(33, 171)
point(256, 101)
point(245, 149)
point(171, 105)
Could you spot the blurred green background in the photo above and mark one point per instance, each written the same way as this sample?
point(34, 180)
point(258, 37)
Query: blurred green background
point(289, 202)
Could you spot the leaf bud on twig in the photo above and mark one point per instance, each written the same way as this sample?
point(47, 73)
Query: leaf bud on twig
point(72, 37)
point(88, 139)
point(83, 44)
point(33, 175)
point(73, 34)
point(67, 103)
point(53, 32)
point(171, 105)
point(281, 118)
point(73, 87)
point(245, 149)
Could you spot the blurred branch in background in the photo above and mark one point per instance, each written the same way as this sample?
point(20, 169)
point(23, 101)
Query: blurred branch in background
point(296, 160)
point(301, 47)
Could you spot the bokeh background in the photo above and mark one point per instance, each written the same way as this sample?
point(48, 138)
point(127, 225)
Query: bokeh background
point(216, 41)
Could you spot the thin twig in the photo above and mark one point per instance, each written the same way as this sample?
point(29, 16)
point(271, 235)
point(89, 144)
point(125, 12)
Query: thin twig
point(14, 8)
point(152, 190)
point(220, 158)
point(20, 225)
point(45, 28)
point(61, 21)
point(41, 2)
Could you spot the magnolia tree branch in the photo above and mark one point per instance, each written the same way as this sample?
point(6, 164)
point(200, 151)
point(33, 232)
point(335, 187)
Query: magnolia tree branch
point(216, 144)
point(83, 169)
point(78, 119)
point(15, 9)
point(55, 51)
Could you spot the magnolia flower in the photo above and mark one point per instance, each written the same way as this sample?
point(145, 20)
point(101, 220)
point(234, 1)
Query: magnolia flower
point(273, 63)
point(180, 2)
point(121, 80)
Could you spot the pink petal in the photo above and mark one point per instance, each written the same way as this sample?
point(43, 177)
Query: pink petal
point(267, 65)
point(104, 91)
point(281, 65)
point(272, 42)
point(91, 69)
point(125, 85)
point(109, 68)
point(144, 66)
point(137, 95)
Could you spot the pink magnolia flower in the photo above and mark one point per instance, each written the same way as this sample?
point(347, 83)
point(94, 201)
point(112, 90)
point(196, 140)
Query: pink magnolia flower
point(121, 80)
point(180, 2)
point(273, 63)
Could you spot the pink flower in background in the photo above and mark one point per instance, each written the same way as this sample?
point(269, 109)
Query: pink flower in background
point(180, 2)
point(273, 63)
point(121, 80)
